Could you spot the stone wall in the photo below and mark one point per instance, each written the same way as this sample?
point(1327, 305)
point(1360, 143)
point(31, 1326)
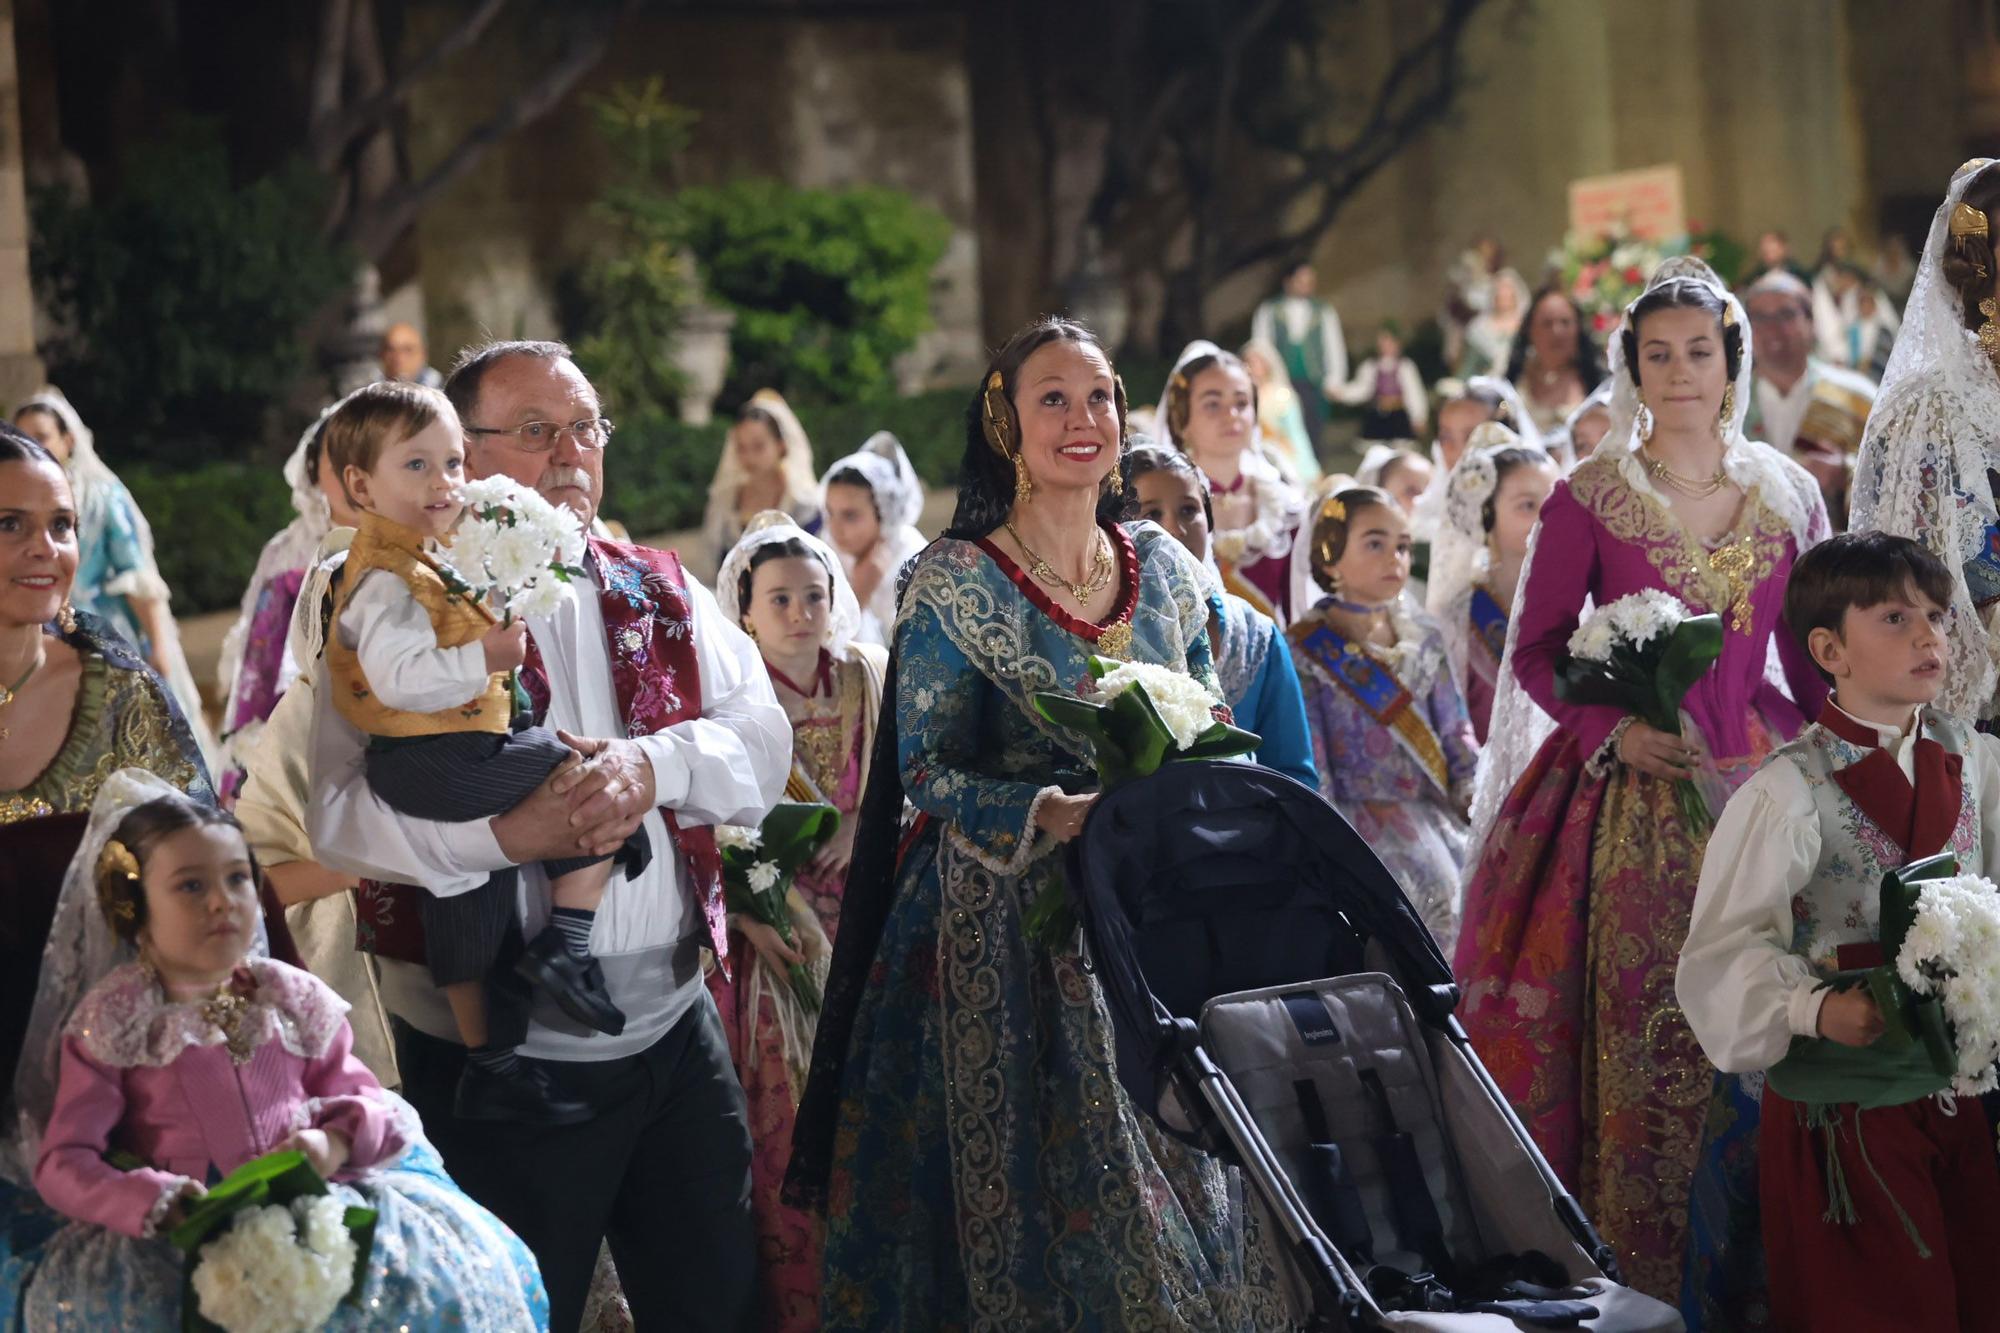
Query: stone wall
point(823, 102)
point(20, 367)
point(1798, 114)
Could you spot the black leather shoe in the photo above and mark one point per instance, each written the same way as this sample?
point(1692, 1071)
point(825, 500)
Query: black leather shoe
point(523, 1095)
point(574, 983)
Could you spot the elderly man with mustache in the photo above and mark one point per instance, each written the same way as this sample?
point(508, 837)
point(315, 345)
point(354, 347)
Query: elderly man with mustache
point(669, 703)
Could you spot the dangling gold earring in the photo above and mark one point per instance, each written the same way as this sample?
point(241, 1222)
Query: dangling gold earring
point(751, 630)
point(66, 618)
point(1989, 332)
point(1645, 424)
point(1023, 487)
point(1117, 482)
point(1728, 404)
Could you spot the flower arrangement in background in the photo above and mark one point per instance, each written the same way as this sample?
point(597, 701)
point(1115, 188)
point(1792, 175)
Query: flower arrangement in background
point(1605, 273)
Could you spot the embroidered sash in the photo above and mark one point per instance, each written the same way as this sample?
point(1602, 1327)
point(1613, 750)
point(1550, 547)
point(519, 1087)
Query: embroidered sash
point(1489, 623)
point(1381, 696)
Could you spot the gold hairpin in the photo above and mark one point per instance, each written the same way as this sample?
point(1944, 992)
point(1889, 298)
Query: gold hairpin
point(116, 856)
point(1967, 221)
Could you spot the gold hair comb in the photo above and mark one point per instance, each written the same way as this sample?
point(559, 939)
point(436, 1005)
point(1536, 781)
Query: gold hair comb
point(116, 856)
point(1967, 221)
point(1334, 509)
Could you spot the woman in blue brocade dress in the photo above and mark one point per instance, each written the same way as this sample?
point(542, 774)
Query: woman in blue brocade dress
point(964, 1130)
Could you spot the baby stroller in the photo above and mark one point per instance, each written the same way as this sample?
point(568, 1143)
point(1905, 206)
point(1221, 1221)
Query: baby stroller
point(1277, 1002)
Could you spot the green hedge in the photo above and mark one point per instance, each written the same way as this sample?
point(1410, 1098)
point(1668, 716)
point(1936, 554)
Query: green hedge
point(209, 525)
point(210, 522)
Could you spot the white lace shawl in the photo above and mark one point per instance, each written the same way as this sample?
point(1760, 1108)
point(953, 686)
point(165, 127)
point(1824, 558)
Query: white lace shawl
point(843, 617)
point(82, 950)
point(1934, 432)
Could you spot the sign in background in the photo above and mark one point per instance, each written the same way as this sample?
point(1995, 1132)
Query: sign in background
point(1646, 204)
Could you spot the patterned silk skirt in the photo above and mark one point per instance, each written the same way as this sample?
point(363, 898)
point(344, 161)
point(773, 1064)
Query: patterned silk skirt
point(989, 1171)
point(1574, 920)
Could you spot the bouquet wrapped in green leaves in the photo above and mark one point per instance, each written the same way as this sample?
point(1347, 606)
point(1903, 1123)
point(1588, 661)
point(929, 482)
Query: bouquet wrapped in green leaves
point(270, 1247)
point(1643, 653)
point(758, 866)
point(1143, 716)
point(1937, 983)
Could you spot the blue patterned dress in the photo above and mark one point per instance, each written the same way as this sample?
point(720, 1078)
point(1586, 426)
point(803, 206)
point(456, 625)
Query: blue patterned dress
point(987, 1170)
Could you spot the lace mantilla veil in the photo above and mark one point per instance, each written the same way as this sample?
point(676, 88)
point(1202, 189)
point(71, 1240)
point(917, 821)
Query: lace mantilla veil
point(1460, 554)
point(767, 529)
point(1513, 736)
point(1930, 440)
point(899, 495)
point(82, 949)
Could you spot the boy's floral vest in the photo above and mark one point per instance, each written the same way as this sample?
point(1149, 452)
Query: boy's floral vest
point(649, 629)
point(1872, 820)
point(457, 621)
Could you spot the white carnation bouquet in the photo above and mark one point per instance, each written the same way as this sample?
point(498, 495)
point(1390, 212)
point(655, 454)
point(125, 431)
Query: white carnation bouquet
point(1642, 653)
point(513, 550)
point(281, 1268)
point(1139, 717)
point(1951, 951)
point(270, 1250)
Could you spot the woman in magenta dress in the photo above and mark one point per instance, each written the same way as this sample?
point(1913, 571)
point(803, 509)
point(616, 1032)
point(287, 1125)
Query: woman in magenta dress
point(787, 589)
point(1581, 886)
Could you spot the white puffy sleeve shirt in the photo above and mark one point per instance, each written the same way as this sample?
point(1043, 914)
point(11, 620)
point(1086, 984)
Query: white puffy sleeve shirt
point(727, 766)
point(1744, 991)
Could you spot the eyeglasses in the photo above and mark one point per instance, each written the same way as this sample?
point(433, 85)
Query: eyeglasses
point(540, 437)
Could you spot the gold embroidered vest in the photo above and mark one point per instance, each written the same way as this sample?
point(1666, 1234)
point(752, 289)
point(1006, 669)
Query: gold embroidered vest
point(381, 544)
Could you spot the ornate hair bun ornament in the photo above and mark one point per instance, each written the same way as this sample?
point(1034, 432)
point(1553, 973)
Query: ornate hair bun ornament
point(768, 518)
point(117, 862)
point(1334, 509)
point(117, 858)
point(1968, 221)
point(1493, 434)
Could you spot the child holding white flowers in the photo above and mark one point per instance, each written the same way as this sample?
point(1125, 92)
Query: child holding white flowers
point(1886, 1217)
point(425, 672)
point(191, 1054)
point(1391, 738)
point(786, 588)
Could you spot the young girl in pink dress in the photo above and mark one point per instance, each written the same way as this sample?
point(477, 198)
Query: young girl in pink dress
point(194, 1053)
point(786, 588)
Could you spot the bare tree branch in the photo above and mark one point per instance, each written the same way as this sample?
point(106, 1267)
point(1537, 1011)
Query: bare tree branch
point(329, 61)
point(332, 131)
point(1398, 115)
point(375, 225)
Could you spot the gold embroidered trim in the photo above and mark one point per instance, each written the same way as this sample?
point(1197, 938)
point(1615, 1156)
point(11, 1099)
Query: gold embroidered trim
point(1719, 580)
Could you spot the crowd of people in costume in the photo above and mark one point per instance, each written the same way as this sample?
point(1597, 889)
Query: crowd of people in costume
point(442, 907)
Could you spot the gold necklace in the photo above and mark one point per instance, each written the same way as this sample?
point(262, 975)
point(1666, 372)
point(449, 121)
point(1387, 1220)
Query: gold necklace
point(1695, 488)
point(7, 692)
point(1100, 574)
